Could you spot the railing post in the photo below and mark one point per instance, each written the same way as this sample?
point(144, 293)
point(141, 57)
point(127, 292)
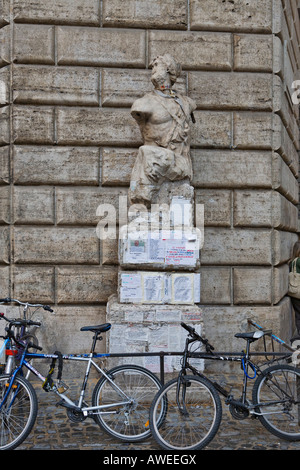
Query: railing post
point(162, 367)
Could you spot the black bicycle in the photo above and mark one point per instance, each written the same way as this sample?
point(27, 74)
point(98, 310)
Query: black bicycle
point(193, 412)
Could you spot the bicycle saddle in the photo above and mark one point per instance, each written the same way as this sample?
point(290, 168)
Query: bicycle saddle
point(253, 335)
point(97, 328)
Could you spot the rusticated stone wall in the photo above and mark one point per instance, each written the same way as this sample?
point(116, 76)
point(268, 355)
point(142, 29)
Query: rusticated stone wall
point(70, 70)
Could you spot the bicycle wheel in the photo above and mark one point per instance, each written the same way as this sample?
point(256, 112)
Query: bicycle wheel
point(277, 394)
point(192, 417)
point(18, 413)
point(126, 422)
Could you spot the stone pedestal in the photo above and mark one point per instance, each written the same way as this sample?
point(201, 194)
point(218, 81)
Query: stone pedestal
point(158, 280)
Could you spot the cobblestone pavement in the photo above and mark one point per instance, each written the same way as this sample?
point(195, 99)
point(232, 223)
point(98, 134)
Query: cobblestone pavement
point(54, 431)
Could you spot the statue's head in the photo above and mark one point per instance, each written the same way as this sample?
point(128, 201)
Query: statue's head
point(164, 69)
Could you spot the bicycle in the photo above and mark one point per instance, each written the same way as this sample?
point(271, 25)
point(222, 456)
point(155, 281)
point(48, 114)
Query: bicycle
point(193, 413)
point(120, 400)
point(22, 332)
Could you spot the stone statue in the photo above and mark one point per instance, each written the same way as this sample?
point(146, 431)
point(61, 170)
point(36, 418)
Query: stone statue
point(164, 120)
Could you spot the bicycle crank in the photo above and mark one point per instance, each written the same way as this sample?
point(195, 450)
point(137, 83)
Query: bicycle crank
point(76, 415)
point(239, 411)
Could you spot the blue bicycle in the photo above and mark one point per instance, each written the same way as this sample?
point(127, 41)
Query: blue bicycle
point(121, 398)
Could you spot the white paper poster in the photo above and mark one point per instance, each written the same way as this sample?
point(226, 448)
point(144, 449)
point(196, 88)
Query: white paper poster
point(131, 287)
point(160, 288)
point(153, 287)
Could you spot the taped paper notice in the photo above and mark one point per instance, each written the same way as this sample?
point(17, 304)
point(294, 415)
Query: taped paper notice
point(160, 288)
point(154, 286)
point(156, 250)
point(131, 288)
point(137, 250)
point(180, 252)
point(182, 288)
point(197, 289)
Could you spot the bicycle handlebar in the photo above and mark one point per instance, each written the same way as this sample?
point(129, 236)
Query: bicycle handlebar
point(20, 322)
point(8, 300)
point(196, 337)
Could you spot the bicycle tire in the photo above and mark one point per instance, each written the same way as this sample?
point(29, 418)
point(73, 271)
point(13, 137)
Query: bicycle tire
point(191, 431)
point(18, 414)
point(279, 382)
point(130, 422)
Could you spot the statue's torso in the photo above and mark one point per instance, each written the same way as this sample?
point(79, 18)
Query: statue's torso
point(161, 119)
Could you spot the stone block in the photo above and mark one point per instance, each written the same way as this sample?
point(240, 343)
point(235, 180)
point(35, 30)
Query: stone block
point(33, 124)
point(288, 114)
point(221, 323)
point(121, 87)
point(34, 205)
point(226, 15)
point(170, 14)
point(4, 282)
point(73, 12)
point(194, 50)
point(78, 285)
point(280, 282)
point(217, 206)
point(79, 206)
point(253, 52)
point(5, 34)
point(56, 245)
point(34, 283)
point(55, 85)
point(4, 12)
point(63, 333)
point(34, 44)
point(252, 208)
point(278, 56)
point(252, 286)
point(253, 130)
point(5, 245)
point(4, 125)
point(284, 179)
point(224, 246)
point(213, 129)
point(93, 46)
point(91, 126)
point(5, 204)
point(283, 144)
point(282, 244)
point(239, 90)
point(4, 165)
point(4, 86)
point(117, 164)
point(285, 214)
point(56, 165)
point(232, 169)
point(215, 285)
point(109, 251)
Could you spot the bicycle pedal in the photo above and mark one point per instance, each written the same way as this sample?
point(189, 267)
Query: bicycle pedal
point(62, 387)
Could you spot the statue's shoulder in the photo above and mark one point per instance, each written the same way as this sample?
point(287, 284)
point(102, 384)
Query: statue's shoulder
point(144, 103)
point(189, 102)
